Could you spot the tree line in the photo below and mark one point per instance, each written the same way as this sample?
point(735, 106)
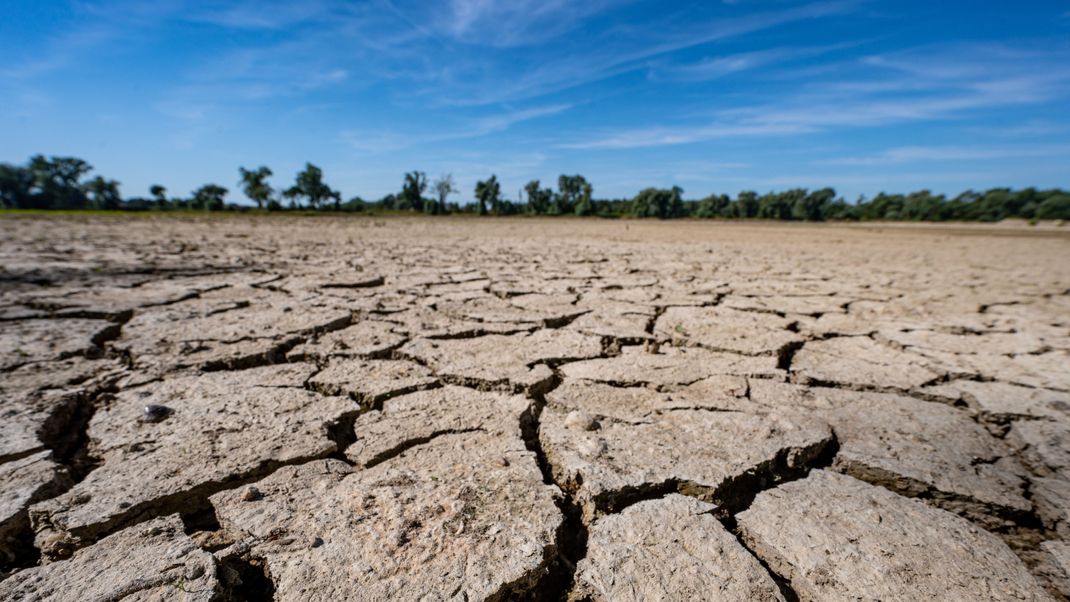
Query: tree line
point(65, 183)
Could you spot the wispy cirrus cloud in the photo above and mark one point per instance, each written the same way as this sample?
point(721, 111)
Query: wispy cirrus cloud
point(271, 15)
point(387, 141)
point(926, 154)
point(672, 136)
point(940, 84)
point(720, 66)
point(513, 23)
point(60, 51)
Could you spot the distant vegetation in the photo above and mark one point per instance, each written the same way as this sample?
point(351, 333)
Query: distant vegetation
point(65, 183)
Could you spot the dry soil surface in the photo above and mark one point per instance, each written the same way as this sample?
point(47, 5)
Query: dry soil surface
point(251, 408)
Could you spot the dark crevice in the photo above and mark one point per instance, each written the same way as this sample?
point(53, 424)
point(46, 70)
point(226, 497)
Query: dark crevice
point(571, 538)
point(529, 587)
point(275, 355)
point(559, 578)
point(200, 518)
point(245, 580)
point(529, 430)
point(479, 384)
point(735, 494)
point(222, 310)
point(408, 444)
point(658, 310)
point(368, 402)
point(65, 433)
point(474, 333)
point(562, 321)
point(991, 516)
point(731, 497)
point(370, 283)
point(746, 489)
point(343, 434)
point(861, 388)
point(188, 501)
point(786, 354)
point(783, 584)
point(55, 312)
point(611, 345)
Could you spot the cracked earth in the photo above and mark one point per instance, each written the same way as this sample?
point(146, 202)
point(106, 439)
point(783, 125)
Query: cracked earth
point(300, 409)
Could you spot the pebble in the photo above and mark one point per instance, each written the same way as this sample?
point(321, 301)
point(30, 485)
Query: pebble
point(155, 413)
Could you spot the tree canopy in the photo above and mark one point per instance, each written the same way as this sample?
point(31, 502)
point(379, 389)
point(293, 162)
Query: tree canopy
point(57, 182)
point(309, 186)
point(489, 193)
point(254, 185)
point(412, 191)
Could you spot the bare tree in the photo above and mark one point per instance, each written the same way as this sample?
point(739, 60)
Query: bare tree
point(444, 187)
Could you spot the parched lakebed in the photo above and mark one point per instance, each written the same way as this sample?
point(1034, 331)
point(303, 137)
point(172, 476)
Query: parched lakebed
point(317, 408)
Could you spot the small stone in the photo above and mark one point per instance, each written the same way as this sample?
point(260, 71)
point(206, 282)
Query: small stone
point(250, 494)
point(580, 421)
point(316, 542)
point(592, 448)
point(503, 462)
point(155, 413)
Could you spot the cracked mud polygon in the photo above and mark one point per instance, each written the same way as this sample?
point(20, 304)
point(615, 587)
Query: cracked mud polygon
point(405, 409)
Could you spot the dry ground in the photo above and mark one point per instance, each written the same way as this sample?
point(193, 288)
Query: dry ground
point(409, 409)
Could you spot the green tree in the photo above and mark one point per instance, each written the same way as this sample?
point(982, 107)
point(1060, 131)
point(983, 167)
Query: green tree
point(254, 185)
point(356, 204)
point(924, 206)
point(444, 187)
point(489, 193)
point(715, 205)
point(210, 197)
point(104, 193)
point(774, 205)
point(661, 203)
point(1055, 206)
point(585, 204)
point(839, 209)
point(56, 181)
point(412, 191)
point(748, 203)
point(883, 206)
point(309, 185)
point(16, 184)
point(159, 194)
point(571, 190)
point(811, 206)
point(539, 199)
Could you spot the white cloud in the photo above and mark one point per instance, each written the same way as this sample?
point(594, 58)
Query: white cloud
point(720, 66)
point(943, 84)
point(671, 136)
point(512, 22)
point(925, 154)
point(386, 141)
point(263, 15)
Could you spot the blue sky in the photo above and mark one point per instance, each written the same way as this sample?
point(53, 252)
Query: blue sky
point(711, 96)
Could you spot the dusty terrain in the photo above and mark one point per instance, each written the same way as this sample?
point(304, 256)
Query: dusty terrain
point(326, 409)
